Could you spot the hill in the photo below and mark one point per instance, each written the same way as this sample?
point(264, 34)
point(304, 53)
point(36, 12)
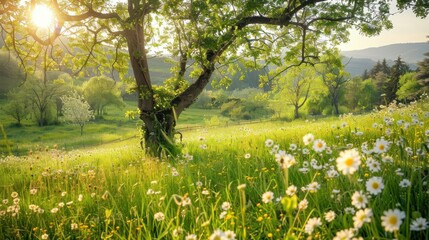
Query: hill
point(359, 60)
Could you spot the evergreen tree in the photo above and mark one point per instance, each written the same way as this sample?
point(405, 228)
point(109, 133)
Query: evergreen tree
point(398, 69)
point(422, 76)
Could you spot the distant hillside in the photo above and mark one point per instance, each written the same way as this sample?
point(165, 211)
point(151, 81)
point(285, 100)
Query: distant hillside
point(359, 60)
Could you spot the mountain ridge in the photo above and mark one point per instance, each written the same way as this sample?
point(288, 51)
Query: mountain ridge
point(359, 60)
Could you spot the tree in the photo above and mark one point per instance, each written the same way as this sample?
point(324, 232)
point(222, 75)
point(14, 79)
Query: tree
point(422, 76)
point(101, 92)
point(76, 110)
point(42, 96)
point(334, 77)
point(294, 87)
point(398, 69)
point(409, 88)
point(16, 107)
point(211, 34)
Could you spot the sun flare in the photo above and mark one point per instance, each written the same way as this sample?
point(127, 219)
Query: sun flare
point(42, 16)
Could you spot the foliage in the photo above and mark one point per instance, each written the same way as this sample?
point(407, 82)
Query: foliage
point(17, 106)
point(76, 110)
point(246, 109)
point(409, 88)
point(101, 92)
point(294, 87)
point(10, 73)
point(334, 77)
point(422, 76)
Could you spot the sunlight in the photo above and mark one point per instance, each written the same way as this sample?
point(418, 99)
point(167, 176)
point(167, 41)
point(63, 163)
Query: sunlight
point(42, 16)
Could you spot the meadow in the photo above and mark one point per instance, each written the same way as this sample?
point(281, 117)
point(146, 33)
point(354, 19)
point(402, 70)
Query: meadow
point(352, 177)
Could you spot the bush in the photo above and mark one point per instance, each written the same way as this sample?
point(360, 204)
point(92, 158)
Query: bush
point(246, 110)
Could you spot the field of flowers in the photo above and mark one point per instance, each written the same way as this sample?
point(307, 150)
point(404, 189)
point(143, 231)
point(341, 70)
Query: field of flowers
point(356, 177)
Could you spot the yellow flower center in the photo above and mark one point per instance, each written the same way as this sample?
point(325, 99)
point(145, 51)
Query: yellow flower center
point(381, 147)
point(375, 185)
point(349, 162)
point(393, 220)
point(319, 145)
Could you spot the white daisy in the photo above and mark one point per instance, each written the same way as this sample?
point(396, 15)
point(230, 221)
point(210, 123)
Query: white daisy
point(319, 145)
point(374, 185)
point(308, 138)
point(312, 223)
point(362, 216)
point(267, 197)
point(359, 200)
point(348, 162)
point(392, 220)
point(419, 224)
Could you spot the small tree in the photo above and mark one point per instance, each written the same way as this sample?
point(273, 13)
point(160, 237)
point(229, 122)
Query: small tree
point(101, 92)
point(76, 110)
point(17, 106)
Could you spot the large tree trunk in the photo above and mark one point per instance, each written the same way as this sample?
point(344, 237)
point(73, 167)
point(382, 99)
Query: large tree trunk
point(296, 112)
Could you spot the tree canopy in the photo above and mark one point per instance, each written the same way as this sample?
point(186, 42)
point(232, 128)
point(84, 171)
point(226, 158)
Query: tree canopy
point(102, 36)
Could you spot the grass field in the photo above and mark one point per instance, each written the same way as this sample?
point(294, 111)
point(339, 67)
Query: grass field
point(354, 177)
point(113, 127)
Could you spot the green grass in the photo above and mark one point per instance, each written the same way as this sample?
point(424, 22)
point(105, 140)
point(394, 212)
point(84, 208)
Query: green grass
point(123, 191)
point(113, 127)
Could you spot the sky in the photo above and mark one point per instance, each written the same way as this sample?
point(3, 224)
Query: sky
point(407, 28)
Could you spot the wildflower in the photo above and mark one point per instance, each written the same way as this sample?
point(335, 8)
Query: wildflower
point(373, 165)
point(302, 205)
point(44, 236)
point(63, 194)
point(33, 191)
point(374, 185)
point(332, 173)
point(177, 232)
point(392, 219)
point(319, 145)
point(5, 201)
point(346, 234)
point(313, 187)
point(312, 223)
point(419, 224)
point(269, 143)
point(159, 216)
point(305, 151)
point(229, 235)
point(291, 190)
point(226, 206)
point(405, 183)
point(348, 162)
point(191, 237)
point(267, 197)
point(308, 138)
point(349, 210)
point(14, 195)
point(54, 210)
point(359, 200)
point(247, 155)
point(285, 160)
point(293, 146)
point(362, 216)
point(330, 216)
point(223, 214)
point(80, 198)
point(74, 226)
point(205, 192)
point(217, 234)
point(381, 146)
point(241, 186)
